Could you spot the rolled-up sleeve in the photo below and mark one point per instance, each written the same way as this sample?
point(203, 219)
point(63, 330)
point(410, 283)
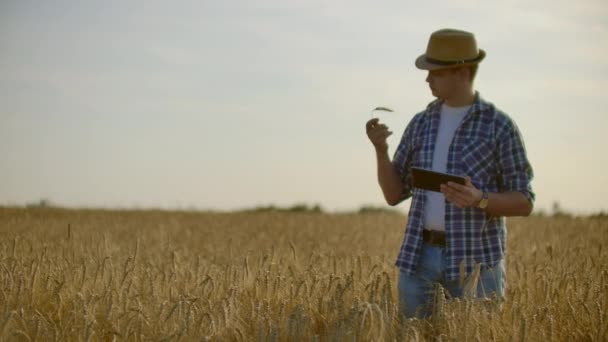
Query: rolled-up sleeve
point(402, 159)
point(515, 170)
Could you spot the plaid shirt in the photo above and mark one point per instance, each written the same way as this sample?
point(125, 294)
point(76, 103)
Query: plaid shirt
point(488, 147)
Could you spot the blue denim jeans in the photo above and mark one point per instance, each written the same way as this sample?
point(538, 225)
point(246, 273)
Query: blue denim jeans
point(417, 291)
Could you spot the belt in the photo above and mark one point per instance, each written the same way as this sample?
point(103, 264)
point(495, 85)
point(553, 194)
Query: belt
point(433, 237)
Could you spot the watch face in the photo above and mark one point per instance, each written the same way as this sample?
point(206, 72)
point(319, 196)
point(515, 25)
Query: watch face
point(484, 201)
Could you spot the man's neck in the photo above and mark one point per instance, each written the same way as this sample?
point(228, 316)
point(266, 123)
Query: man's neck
point(465, 98)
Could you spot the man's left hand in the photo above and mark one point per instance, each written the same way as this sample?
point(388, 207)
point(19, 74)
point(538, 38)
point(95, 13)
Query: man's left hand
point(463, 196)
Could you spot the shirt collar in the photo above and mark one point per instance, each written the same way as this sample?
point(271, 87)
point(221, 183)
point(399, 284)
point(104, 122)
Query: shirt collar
point(479, 105)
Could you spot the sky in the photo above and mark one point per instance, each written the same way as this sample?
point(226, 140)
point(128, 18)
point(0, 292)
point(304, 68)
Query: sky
point(234, 104)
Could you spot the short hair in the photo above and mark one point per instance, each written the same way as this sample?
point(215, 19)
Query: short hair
point(472, 70)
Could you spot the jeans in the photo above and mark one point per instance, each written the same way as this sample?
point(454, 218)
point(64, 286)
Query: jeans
point(417, 291)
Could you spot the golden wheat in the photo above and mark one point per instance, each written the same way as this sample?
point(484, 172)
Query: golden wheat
point(150, 275)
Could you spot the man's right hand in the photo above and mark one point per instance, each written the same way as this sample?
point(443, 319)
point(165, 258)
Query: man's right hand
point(377, 134)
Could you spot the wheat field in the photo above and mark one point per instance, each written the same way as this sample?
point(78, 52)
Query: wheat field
point(94, 275)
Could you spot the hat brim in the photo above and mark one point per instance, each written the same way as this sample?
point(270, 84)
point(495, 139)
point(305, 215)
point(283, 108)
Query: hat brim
point(423, 63)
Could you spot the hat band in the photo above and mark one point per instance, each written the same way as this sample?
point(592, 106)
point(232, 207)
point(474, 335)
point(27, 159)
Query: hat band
point(440, 62)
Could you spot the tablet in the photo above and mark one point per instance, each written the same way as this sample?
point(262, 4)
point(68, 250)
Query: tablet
point(431, 180)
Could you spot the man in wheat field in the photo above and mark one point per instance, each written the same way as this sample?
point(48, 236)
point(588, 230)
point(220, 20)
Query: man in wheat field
point(460, 232)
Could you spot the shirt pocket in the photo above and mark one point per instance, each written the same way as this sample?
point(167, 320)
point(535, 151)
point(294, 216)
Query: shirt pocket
point(477, 161)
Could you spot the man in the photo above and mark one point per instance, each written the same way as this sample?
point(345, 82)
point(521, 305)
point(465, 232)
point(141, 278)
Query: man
point(451, 233)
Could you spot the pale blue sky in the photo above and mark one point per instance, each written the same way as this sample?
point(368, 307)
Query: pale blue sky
point(232, 104)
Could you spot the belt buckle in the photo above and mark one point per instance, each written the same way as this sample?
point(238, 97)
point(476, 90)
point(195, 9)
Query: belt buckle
point(434, 238)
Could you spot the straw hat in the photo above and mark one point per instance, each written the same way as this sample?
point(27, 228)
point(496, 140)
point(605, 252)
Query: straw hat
point(449, 48)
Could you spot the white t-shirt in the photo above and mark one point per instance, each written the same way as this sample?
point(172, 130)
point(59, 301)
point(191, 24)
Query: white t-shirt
point(434, 209)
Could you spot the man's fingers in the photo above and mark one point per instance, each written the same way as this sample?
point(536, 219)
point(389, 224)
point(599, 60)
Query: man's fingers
point(463, 199)
point(371, 124)
point(454, 195)
point(373, 121)
point(458, 197)
point(457, 186)
point(380, 129)
point(377, 132)
point(380, 134)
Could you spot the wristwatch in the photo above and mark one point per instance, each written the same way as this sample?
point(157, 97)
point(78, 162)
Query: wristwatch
point(483, 203)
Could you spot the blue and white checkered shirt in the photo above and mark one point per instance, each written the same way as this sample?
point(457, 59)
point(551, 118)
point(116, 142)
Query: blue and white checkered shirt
point(487, 147)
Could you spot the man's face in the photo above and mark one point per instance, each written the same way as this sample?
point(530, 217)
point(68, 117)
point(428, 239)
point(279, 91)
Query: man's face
point(445, 82)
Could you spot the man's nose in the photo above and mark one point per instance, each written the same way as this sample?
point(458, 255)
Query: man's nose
point(428, 77)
